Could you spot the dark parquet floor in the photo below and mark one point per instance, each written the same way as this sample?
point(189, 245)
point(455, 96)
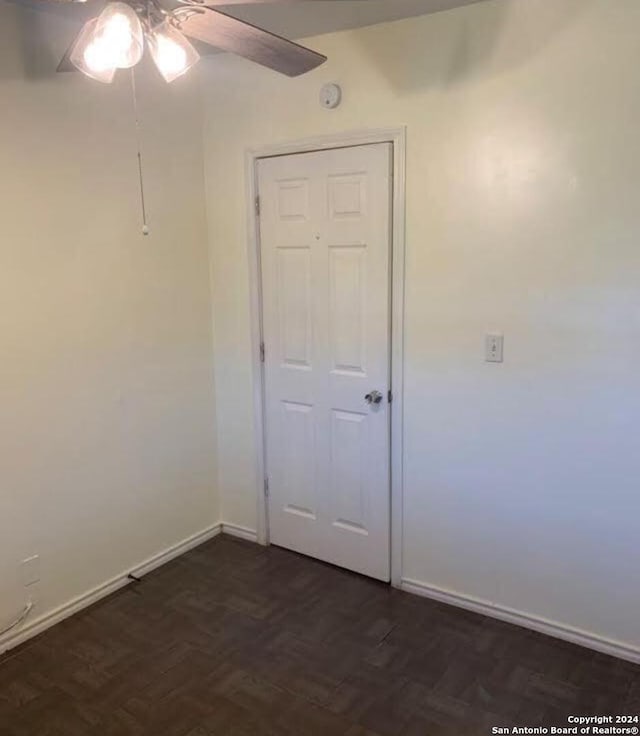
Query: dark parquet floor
point(236, 640)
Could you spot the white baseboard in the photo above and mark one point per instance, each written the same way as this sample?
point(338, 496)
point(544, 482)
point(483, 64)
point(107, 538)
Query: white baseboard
point(486, 608)
point(528, 621)
point(42, 623)
point(242, 532)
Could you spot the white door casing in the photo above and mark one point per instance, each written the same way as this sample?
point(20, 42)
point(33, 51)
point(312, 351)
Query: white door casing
point(325, 233)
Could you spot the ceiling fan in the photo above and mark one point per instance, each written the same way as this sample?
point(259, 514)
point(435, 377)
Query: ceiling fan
point(116, 38)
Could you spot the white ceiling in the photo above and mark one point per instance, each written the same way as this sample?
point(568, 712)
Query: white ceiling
point(293, 19)
point(298, 20)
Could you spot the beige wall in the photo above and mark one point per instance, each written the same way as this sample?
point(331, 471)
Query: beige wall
point(107, 446)
point(521, 480)
point(523, 153)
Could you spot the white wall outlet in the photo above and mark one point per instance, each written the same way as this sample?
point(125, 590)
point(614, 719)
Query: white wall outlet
point(32, 594)
point(494, 348)
point(31, 570)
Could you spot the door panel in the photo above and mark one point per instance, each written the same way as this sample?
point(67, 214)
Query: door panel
point(294, 306)
point(348, 490)
point(347, 308)
point(325, 249)
point(298, 482)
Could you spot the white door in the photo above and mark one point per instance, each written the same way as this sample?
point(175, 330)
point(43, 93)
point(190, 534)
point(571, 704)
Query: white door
point(325, 233)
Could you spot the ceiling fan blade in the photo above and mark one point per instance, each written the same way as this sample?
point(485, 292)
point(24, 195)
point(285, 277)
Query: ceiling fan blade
point(65, 64)
point(250, 2)
point(241, 38)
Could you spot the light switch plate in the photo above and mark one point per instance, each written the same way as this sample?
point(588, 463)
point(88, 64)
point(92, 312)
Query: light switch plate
point(494, 348)
point(31, 570)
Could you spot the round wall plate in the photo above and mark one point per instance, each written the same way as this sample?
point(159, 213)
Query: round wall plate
point(330, 96)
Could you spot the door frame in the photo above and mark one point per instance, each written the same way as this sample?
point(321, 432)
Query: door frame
point(397, 138)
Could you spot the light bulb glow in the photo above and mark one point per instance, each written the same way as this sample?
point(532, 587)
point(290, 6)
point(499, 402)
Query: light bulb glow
point(120, 34)
point(113, 40)
point(91, 56)
point(172, 53)
point(98, 56)
point(171, 57)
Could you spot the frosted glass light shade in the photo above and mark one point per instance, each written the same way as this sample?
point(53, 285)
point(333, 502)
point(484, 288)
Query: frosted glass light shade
point(171, 51)
point(91, 56)
point(120, 33)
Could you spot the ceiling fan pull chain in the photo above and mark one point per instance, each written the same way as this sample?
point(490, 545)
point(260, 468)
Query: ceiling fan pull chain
point(145, 226)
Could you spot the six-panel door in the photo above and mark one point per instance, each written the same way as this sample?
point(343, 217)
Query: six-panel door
point(325, 227)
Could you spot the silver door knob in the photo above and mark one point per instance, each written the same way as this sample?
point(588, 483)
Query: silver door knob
point(375, 397)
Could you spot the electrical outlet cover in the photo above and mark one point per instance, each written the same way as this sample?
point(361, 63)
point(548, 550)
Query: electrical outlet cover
point(31, 570)
point(32, 594)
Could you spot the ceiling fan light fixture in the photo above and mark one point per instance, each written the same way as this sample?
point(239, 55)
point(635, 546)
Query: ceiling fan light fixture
point(172, 53)
point(91, 56)
point(116, 39)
